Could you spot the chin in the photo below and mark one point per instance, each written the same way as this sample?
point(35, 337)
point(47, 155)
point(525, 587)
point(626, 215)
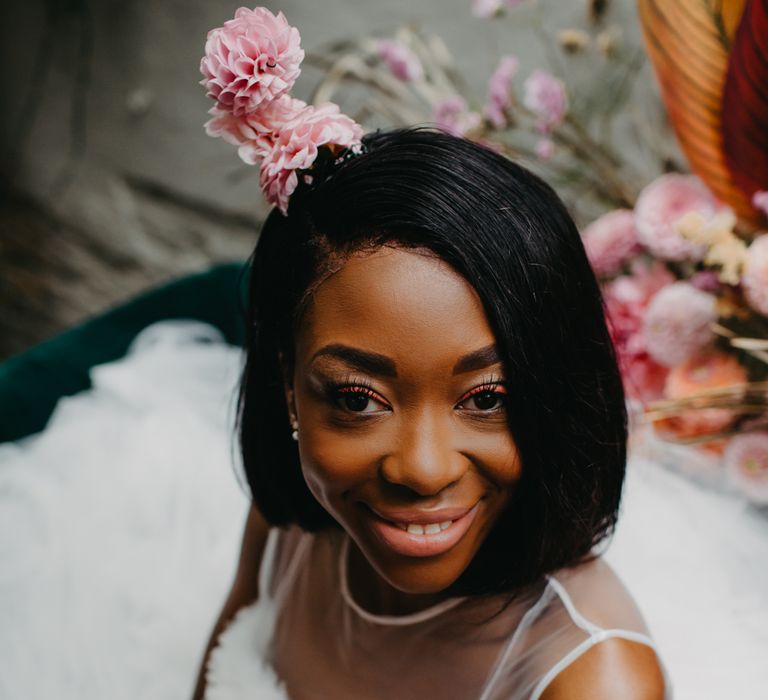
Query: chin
point(418, 575)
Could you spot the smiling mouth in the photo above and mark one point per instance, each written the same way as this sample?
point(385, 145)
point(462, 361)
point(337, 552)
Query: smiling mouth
point(421, 539)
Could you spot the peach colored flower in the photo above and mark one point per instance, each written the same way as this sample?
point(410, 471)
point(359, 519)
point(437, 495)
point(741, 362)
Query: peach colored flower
point(401, 61)
point(746, 463)
point(453, 115)
point(545, 96)
point(706, 370)
point(253, 58)
point(499, 94)
point(296, 146)
point(677, 323)
point(754, 278)
point(661, 205)
point(610, 241)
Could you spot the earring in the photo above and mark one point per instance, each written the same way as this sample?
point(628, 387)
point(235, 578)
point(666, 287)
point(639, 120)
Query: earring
point(295, 426)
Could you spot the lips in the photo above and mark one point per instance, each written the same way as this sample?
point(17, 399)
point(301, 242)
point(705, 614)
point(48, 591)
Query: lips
point(421, 517)
point(422, 533)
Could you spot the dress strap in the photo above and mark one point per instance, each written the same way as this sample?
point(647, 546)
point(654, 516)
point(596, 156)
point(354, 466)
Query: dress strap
point(268, 562)
point(596, 634)
point(280, 581)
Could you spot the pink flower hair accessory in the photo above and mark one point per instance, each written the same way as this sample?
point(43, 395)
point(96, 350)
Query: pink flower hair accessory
point(249, 65)
point(253, 58)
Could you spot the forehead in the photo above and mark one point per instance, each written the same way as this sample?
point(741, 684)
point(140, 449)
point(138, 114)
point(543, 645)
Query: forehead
point(405, 303)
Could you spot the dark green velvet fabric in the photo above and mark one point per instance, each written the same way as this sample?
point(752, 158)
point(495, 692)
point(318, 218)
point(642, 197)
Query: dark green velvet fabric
point(32, 382)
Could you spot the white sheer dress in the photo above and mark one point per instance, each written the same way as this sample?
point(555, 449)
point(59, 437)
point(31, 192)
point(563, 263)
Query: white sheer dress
point(321, 643)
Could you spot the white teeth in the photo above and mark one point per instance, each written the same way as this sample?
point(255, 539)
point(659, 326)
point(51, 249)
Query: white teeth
point(429, 529)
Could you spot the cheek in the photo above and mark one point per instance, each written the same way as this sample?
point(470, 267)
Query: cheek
point(333, 463)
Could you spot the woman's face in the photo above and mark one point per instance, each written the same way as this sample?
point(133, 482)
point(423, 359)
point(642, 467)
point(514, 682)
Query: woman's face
point(400, 401)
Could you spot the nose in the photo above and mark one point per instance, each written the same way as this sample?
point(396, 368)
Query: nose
point(424, 458)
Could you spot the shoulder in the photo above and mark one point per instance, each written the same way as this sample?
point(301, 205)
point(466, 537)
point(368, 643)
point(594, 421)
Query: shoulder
point(615, 666)
point(612, 668)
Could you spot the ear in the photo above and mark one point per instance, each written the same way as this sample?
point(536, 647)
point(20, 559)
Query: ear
point(287, 386)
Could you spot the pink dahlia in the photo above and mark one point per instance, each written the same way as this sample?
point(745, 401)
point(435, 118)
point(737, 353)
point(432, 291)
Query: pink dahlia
point(254, 133)
point(610, 241)
point(499, 94)
point(754, 278)
point(677, 323)
point(746, 463)
point(662, 204)
point(295, 148)
point(401, 61)
point(760, 200)
point(452, 115)
point(545, 96)
point(253, 58)
point(626, 299)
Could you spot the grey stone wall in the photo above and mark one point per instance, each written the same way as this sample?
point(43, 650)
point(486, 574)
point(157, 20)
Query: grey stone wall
point(104, 150)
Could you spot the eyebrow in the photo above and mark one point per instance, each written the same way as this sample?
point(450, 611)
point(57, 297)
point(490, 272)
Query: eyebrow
point(479, 359)
point(381, 365)
point(363, 360)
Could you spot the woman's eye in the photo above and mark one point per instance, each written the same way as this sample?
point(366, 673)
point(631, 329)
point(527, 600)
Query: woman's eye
point(358, 400)
point(485, 399)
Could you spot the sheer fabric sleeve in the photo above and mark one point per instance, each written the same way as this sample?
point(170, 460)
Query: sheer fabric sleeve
point(580, 607)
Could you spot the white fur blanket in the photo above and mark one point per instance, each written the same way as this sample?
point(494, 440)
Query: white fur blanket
point(121, 522)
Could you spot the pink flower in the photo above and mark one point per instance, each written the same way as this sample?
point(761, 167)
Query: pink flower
point(662, 204)
point(295, 148)
point(626, 299)
point(754, 278)
point(746, 463)
point(545, 96)
point(452, 115)
point(492, 8)
point(253, 58)
point(545, 148)
point(499, 95)
point(610, 241)
point(486, 8)
point(403, 63)
point(706, 281)
point(677, 323)
point(760, 201)
point(255, 133)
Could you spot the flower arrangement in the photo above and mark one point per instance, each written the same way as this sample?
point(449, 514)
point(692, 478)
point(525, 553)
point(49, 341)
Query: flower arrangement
point(681, 253)
point(249, 66)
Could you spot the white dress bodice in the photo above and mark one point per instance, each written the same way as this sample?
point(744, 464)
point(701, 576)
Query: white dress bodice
point(319, 642)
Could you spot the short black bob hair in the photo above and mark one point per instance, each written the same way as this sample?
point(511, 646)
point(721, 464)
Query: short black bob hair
point(510, 236)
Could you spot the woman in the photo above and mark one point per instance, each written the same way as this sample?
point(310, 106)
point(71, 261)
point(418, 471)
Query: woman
point(433, 430)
